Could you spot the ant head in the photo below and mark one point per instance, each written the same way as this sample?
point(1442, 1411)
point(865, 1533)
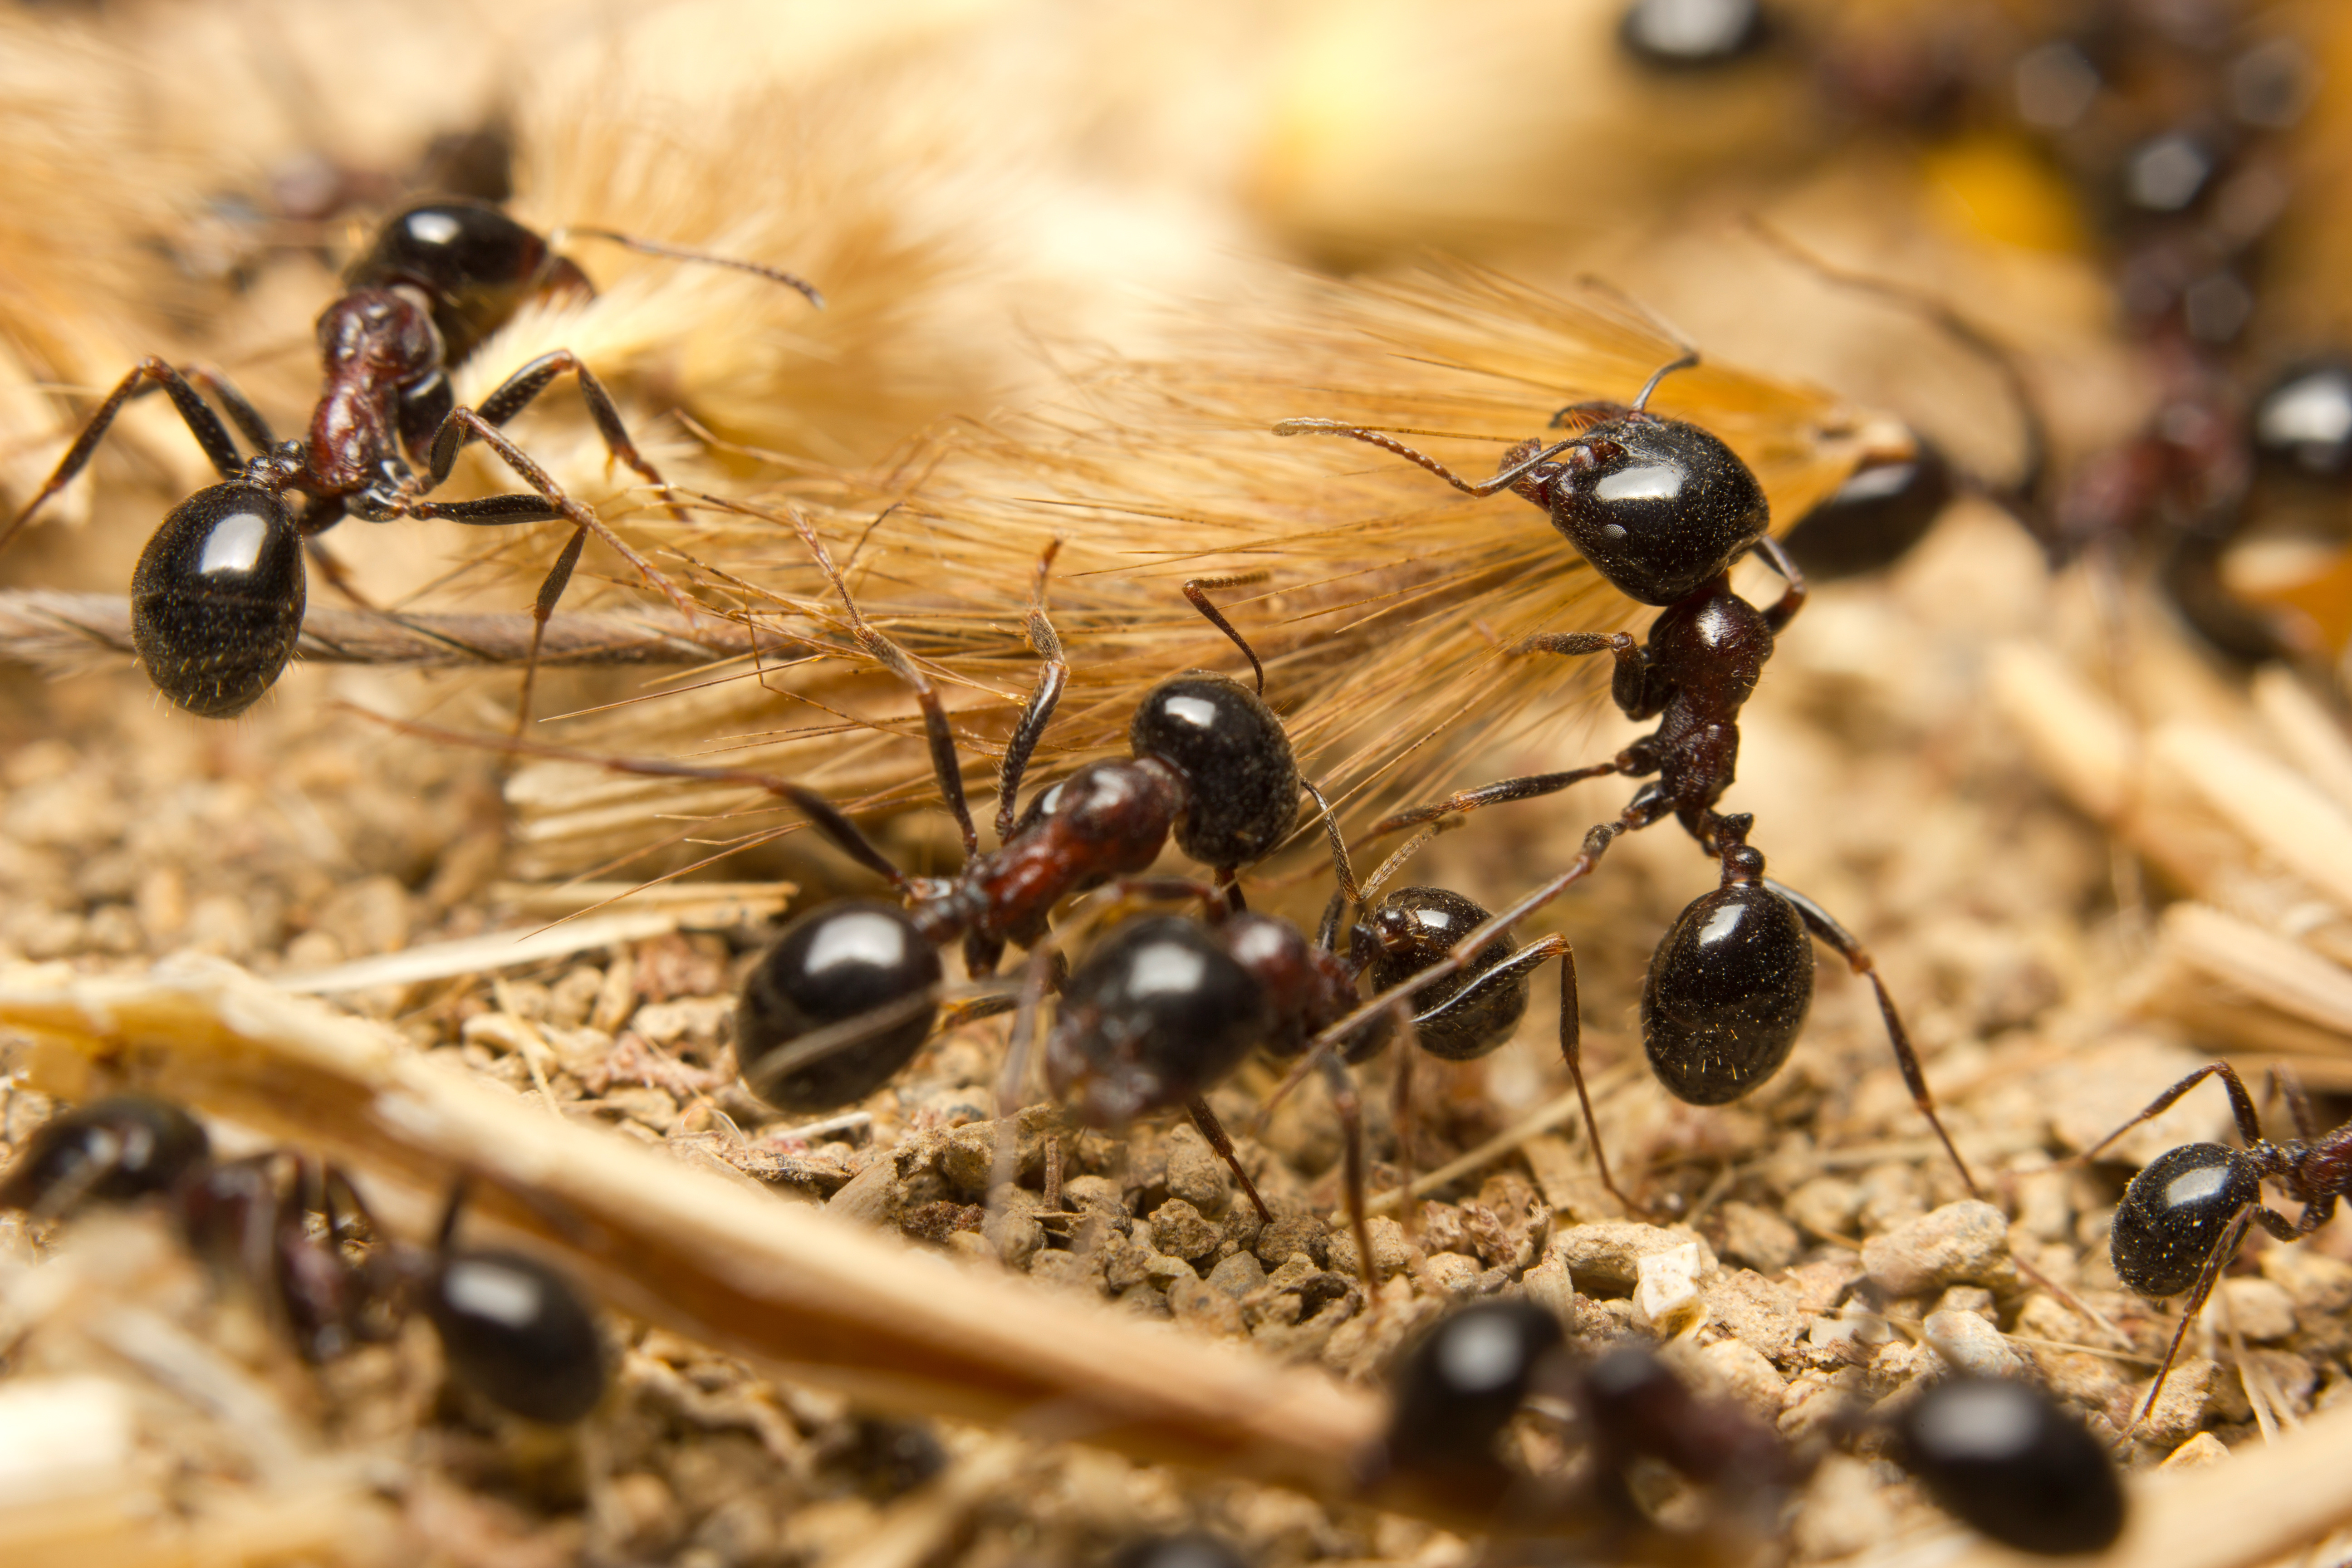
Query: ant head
point(834, 963)
point(518, 1333)
point(2004, 1459)
point(1727, 991)
point(1458, 1387)
point(476, 265)
point(116, 1149)
point(1157, 1013)
point(2175, 1213)
point(1416, 927)
point(1659, 506)
point(217, 601)
point(1241, 781)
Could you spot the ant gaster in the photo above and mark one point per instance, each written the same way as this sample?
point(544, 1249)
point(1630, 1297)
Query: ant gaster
point(511, 1328)
point(2003, 1459)
point(217, 598)
point(2184, 1213)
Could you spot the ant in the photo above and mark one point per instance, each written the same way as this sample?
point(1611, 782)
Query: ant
point(1661, 509)
point(2005, 1460)
point(2184, 1213)
point(217, 597)
point(1457, 1387)
point(512, 1329)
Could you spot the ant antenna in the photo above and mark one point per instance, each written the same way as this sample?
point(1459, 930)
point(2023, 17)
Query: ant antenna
point(2022, 495)
point(1051, 679)
point(1642, 399)
point(679, 253)
point(889, 655)
point(1197, 590)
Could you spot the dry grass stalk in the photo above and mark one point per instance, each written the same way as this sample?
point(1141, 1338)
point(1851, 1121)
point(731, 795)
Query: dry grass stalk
point(799, 1291)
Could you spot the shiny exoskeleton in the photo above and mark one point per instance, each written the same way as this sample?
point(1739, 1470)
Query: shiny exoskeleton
point(2184, 1213)
point(1692, 35)
point(841, 961)
point(1457, 1388)
point(1873, 519)
point(217, 597)
point(2005, 1460)
point(514, 1329)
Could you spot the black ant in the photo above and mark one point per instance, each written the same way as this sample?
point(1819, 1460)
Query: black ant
point(1662, 509)
point(2003, 1459)
point(217, 597)
point(2184, 1213)
point(512, 1329)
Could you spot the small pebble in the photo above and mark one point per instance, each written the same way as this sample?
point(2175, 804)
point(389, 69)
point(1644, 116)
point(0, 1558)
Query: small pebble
point(1178, 1230)
point(2260, 1310)
point(1239, 1275)
point(1607, 1255)
point(1826, 1205)
point(1757, 1237)
point(1201, 1307)
point(2199, 1451)
point(1748, 1377)
point(1294, 1233)
point(1967, 1343)
point(1447, 1274)
point(1846, 1510)
point(2314, 1281)
point(1762, 1312)
point(1966, 1299)
point(1961, 1243)
point(1391, 1253)
point(1665, 1292)
point(1196, 1173)
point(2180, 1410)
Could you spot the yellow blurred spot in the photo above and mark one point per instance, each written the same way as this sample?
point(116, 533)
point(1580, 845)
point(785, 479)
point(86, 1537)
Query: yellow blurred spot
point(1994, 187)
point(2324, 599)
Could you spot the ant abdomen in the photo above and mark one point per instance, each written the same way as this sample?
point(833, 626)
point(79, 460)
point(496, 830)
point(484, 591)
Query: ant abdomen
point(1458, 1387)
point(1659, 506)
point(1157, 1013)
point(111, 1150)
point(518, 1333)
point(841, 961)
point(2174, 1214)
point(217, 601)
point(1212, 731)
point(1869, 521)
point(1727, 992)
point(1416, 927)
point(2004, 1459)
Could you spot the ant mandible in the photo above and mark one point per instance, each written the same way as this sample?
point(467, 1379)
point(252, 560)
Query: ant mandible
point(217, 597)
point(2183, 1215)
point(511, 1328)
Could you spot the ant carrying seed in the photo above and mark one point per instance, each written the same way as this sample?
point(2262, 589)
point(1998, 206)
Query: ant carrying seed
point(2183, 1215)
point(511, 1328)
point(1662, 509)
point(217, 597)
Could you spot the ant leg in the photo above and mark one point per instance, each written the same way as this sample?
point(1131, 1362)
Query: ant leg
point(1197, 590)
point(464, 424)
point(1501, 792)
point(944, 766)
point(1342, 868)
point(1792, 598)
point(1857, 957)
point(2223, 1251)
point(2298, 1104)
point(1386, 443)
point(194, 412)
point(1214, 1132)
point(321, 514)
point(2241, 1105)
point(1628, 683)
point(241, 410)
point(1571, 1051)
point(1043, 700)
point(516, 393)
point(1351, 1111)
